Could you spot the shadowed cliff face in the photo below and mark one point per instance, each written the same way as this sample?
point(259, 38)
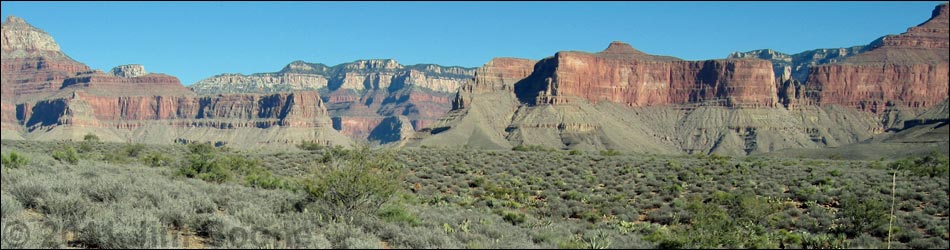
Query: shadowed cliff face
point(359, 95)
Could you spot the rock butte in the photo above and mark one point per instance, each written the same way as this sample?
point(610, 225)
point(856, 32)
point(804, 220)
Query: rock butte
point(625, 99)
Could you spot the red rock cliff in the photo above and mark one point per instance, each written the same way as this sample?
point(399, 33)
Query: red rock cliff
point(499, 74)
point(910, 70)
point(301, 110)
point(32, 63)
point(622, 74)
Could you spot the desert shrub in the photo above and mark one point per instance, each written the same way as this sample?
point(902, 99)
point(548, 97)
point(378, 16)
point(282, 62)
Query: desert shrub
point(90, 137)
point(105, 190)
point(927, 243)
point(37, 235)
point(515, 218)
point(334, 153)
point(933, 165)
point(311, 146)
point(30, 194)
point(67, 155)
point(610, 152)
point(14, 160)
point(157, 160)
point(359, 185)
point(134, 150)
point(70, 210)
point(864, 214)
point(205, 165)
point(397, 214)
point(9, 206)
point(122, 228)
point(218, 228)
point(344, 236)
point(175, 215)
point(264, 179)
point(531, 148)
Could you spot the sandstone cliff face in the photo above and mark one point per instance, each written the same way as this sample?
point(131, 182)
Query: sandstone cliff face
point(129, 70)
point(171, 117)
point(481, 111)
point(907, 70)
point(872, 87)
point(48, 96)
point(361, 94)
point(796, 66)
point(625, 99)
point(358, 75)
point(32, 63)
point(499, 74)
point(139, 83)
point(621, 74)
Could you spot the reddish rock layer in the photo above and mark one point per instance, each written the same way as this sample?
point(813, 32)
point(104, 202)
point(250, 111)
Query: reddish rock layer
point(499, 74)
point(871, 87)
point(8, 119)
point(356, 127)
point(27, 77)
point(107, 84)
point(909, 70)
point(301, 109)
point(621, 74)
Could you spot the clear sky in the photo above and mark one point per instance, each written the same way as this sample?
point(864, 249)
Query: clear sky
point(195, 40)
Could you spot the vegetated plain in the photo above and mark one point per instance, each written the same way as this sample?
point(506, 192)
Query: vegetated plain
point(91, 194)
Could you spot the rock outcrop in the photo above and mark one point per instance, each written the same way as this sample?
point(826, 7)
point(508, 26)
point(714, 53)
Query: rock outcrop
point(796, 66)
point(129, 70)
point(358, 75)
point(32, 64)
point(361, 94)
point(621, 74)
point(624, 99)
point(48, 96)
point(482, 110)
point(908, 70)
point(152, 84)
point(392, 129)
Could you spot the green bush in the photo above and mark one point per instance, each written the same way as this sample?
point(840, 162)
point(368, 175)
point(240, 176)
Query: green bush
point(610, 152)
point(360, 185)
point(67, 155)
point(14, 160)
point(515, 218)
point(206, 167)
point(861, 215)
point(933, 165)
point(334, 153)
point(264, 179)
point(134, 150)
point(157, 160)
point(395, 214)
point(90, 137)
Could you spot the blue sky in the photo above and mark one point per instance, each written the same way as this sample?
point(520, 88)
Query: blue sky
point(195, 40)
